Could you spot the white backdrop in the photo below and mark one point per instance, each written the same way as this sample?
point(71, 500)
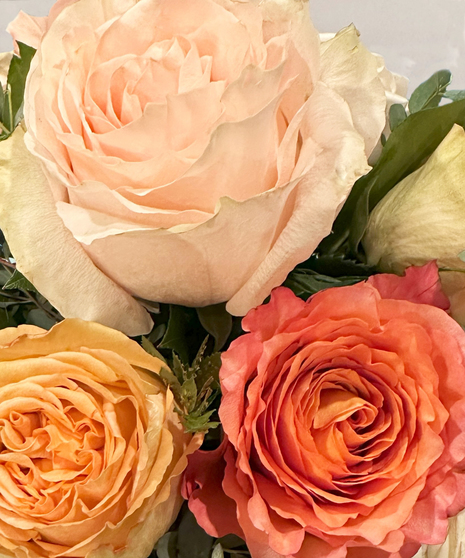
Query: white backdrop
point(417, 37)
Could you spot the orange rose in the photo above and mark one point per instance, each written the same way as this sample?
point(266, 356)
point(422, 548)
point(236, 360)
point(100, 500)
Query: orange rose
point(91, 451)
point(345, 424)
point(193, 150)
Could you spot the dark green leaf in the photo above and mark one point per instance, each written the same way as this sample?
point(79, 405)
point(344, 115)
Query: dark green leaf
point(218, 322)
point(4, 276)
point(209, 368)
point(18, 281)
point(17, 73)
point(305, 282)
point(6, 319)
point(157, 333)
point(397, 115)
point(39, 318)
point(167, 545)
point(455, 94)
point(150, 348)
point(231, 541)
point(336, 265)
point(193, 542)
point(430, 92)
point(218, 551)
point(183, 333)
point(407, 148)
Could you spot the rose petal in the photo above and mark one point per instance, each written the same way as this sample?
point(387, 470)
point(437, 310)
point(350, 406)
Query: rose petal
point(95, 297)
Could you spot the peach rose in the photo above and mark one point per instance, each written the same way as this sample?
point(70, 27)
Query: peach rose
point(344, 422)
point(195, 150)
point(91, 450)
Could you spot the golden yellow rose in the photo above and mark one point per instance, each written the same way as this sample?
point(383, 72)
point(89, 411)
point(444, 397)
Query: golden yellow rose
point(91, 450)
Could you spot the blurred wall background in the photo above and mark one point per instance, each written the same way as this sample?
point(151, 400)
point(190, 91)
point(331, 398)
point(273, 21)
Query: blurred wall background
point(416, 37)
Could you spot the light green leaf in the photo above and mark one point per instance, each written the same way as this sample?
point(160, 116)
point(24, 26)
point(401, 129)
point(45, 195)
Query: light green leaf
point(397, 115)
point(407, 148)
point(218, 551)
point(18, 281)
point(429, 93)
point(455, 94)
point(149, 347)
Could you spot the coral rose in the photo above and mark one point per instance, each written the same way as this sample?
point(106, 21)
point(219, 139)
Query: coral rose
point(344, 422)
point(196, 150)
point(91, 450)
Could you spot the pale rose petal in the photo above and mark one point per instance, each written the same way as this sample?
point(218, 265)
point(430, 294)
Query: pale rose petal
point(319, 196)
point(42, 260)
point(99, 198)
point(453, 547)
point(5, 59)
point(211, 253)
point(352, 71)
point(27, 29)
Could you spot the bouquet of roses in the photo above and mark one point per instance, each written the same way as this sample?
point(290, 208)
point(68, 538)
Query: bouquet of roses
point(282, 232)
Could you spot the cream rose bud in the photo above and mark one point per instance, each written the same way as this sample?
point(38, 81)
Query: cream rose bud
point(423, 218)
point(182, 151)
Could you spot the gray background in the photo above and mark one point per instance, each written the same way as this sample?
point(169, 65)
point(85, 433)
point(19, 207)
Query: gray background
point(416, 37)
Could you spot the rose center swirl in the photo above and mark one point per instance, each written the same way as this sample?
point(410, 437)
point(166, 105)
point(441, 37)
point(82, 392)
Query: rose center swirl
point(54, 441)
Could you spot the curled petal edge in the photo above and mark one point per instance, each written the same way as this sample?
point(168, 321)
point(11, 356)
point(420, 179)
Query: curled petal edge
point(47, 253)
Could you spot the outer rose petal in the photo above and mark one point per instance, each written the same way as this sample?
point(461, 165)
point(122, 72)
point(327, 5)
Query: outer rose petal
point(420, 285)
point(156, 497)
point(352, 71)
point(320, 195)
point(5, 58)
point(49, 256)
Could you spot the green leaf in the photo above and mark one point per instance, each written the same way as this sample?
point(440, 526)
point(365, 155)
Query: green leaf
point(455, 94)
point(397, 115)
point(18, 281)
point(218, 551)
point(218, 322)
point(305, 282)
point(462, 256)
point(193, 542)
point(429, 93)
point(167, 545)
point(194, 424)
point(39, 318)
point(407, 149)
point(183, 332)
point(17, 73)
point(149, 347)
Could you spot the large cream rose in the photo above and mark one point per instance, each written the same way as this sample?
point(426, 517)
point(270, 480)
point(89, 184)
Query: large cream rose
point(91, 450)
point(195, 150)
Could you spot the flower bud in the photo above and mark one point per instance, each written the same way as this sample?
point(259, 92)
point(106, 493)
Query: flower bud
point(423, 219)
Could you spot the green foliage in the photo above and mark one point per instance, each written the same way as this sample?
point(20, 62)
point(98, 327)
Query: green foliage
point(188, 540)
point(407, 148)
point(306, 282)
point(12, 95)
point(183, 332)
point(430, 93)
point(455, 94)
point(397, 115)
point(218, 322)
point(20, 303)
point(195, 387)
point(19, 282)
